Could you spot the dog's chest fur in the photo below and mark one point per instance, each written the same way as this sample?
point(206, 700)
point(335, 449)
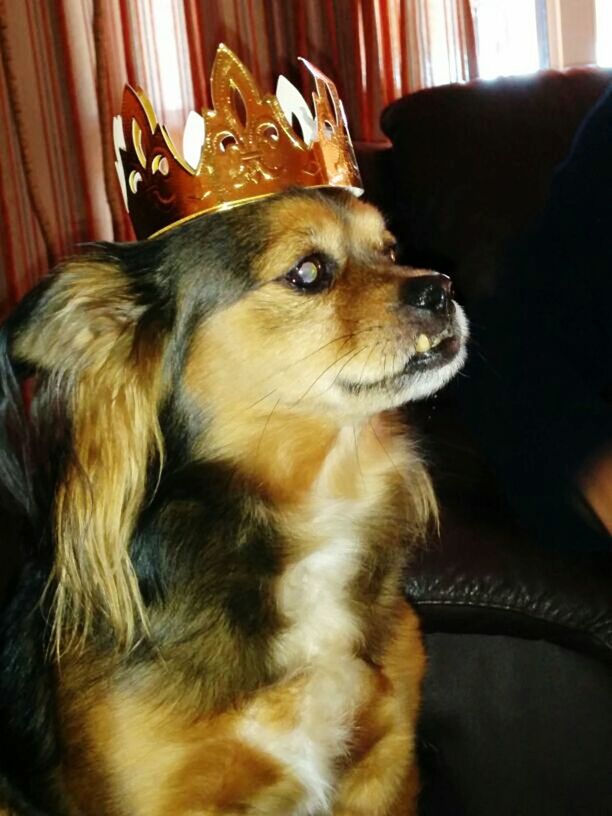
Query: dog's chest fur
point(322, 646)
point(338, 586)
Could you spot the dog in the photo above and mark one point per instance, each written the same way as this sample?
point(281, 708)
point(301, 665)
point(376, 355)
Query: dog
point(217, 497)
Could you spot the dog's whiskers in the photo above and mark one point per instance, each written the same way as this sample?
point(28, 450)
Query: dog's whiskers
point(367, 360)
point(386, 452)
point(344, 337)
point(357, 454)
point(350, 360)
point(325, 370)
point(265, 427)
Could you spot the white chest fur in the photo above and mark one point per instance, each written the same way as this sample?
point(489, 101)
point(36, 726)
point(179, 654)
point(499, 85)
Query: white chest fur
point(318, 647)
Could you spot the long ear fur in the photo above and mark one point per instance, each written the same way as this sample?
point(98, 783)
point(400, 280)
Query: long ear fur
point(96, 352)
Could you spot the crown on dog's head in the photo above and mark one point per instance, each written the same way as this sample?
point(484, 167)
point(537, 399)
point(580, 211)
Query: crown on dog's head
point(243, 149)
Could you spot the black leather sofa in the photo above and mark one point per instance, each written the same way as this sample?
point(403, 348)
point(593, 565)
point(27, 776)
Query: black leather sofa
point(517, 714)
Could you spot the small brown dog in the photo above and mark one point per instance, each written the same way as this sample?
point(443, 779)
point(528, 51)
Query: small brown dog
point(219, 500)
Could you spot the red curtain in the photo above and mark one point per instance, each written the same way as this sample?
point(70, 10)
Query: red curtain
point(374, 50)
point(64, 62)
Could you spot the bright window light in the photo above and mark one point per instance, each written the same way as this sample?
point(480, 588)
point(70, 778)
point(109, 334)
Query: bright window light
point(507, 37)
point(603, 11)
point(166, 58)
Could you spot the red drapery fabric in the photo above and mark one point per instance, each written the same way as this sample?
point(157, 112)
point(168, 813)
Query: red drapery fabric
point(63, 65)
point(374, 50)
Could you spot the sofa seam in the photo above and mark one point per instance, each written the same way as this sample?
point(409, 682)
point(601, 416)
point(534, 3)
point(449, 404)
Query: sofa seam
point(501, 607)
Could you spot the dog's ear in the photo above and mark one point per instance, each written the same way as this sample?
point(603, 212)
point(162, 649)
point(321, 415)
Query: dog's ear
point(94, 342)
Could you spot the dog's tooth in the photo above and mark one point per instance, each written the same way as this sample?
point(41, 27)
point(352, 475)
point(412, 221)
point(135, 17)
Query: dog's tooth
point(422, 343)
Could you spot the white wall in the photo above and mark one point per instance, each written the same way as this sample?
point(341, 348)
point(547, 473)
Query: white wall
point(572, 32)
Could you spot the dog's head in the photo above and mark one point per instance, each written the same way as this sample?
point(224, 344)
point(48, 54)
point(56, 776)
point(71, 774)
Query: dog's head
point(323, 319)
point(293, 304)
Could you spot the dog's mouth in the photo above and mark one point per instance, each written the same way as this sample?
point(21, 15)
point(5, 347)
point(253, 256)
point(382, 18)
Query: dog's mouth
point(429, 355)
point(432, 353)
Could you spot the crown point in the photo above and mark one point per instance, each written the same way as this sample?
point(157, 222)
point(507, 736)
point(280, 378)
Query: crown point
point(293, 104)
point(119, 142)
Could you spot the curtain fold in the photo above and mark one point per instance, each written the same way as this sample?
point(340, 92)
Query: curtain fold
point(63, 64)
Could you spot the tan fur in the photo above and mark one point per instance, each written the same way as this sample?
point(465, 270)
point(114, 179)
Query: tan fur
point(382, 778)
point(265, 368)
point(296, 228)
point(325, 639)
point(88, 340)
point(159, 762)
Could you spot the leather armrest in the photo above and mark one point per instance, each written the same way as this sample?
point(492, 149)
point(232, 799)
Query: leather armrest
point(375, 163)
point(483, 577)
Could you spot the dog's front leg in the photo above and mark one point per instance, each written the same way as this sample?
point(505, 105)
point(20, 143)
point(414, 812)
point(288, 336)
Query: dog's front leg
point(382, 777)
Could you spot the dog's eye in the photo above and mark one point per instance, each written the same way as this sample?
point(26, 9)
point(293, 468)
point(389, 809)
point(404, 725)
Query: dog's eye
point(311, 274)
point(390, 252)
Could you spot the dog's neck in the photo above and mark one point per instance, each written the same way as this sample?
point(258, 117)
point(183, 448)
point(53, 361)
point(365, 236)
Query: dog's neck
point(281, 453)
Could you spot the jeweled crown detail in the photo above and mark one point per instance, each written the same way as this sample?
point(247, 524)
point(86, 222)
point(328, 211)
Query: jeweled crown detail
point(245, 147)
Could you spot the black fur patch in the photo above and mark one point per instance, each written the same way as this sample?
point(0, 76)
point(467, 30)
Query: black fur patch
point(207, 560)
point(29, 750)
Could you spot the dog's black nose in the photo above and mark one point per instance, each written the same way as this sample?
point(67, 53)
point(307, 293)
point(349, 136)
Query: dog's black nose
point(431, 292)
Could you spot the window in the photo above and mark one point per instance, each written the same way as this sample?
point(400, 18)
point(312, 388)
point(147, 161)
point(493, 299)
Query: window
point(521, 36)
point(603, 24)
point(506, 37)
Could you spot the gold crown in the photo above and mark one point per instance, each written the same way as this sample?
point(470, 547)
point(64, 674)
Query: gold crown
point(243, 149)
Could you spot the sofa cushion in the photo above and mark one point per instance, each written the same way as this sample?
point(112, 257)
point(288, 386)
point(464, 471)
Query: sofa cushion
point(514, 727)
